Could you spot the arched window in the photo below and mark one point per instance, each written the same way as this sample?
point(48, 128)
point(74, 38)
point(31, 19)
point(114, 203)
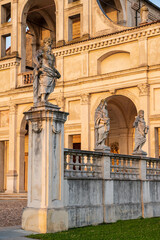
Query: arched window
point(39, 19)
point(112, 9)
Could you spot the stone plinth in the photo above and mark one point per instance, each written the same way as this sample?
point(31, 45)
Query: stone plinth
point(45, 210)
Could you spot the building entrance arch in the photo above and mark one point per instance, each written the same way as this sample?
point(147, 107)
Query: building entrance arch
point(122, 112)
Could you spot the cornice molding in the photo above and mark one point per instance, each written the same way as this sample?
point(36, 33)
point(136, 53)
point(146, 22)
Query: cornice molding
point(8, 63)
point(128, 35)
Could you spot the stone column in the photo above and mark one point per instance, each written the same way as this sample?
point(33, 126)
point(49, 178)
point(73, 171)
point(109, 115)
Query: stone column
point(14, 38)
point(85, 103)
point(12, 168)
point(144, 105)
point(45, 210)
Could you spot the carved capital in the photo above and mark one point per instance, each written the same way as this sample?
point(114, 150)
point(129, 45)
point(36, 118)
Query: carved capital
point(85, 99)
point(143, 89)
point(112, 91)
point(37, 127)
point(12, 108)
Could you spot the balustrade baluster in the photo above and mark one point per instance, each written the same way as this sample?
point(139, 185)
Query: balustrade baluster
point(83, 166)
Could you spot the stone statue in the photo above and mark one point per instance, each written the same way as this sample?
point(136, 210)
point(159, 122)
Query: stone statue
point(141, 131)
point(144, 12)
point(45, 74)
point(102, 126)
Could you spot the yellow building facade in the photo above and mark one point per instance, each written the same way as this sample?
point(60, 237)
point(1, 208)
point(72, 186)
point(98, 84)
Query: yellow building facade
point(100, 53)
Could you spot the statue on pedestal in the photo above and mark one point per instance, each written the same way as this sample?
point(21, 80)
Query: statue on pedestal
point(45, 73)
point(102, 126)
point(141, 131)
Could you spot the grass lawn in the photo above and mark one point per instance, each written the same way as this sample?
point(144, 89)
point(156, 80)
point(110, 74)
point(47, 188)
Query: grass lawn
point(141, 229)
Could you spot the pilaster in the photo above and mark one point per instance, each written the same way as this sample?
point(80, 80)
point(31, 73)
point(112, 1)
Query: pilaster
point(14, 38)
point(144, 91)
point(86, 19)
point(12, 168)
point(60, 23)
point(85, 119)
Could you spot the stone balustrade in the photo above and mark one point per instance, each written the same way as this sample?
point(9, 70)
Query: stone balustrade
point(28, 77)
point(124, 167)
point(82, 164)
point(89, 164)
point(153, 169)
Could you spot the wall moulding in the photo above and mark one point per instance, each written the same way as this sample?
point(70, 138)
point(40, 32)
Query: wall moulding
point(8, 63)
point(101, 42)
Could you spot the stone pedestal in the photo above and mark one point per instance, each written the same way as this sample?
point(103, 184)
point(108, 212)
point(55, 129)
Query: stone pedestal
point(45, 210)
point(104, 149)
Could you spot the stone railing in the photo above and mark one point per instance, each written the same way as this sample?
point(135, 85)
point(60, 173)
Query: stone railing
point(124, 167)
point(89, 164)
point(83, 164)
point(153, 169)
point(28, 77)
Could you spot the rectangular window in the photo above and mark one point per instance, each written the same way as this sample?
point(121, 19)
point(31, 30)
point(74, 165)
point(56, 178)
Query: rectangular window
point(74, 27)
point(6, 45)
point(74, 141)
point(6, 13)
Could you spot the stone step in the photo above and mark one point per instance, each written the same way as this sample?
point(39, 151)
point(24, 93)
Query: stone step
point(14, 196)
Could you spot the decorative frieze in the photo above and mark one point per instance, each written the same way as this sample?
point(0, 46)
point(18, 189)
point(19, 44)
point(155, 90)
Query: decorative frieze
point(143, 89)
point(8, 65)
point(102, 42)
point(4, 119)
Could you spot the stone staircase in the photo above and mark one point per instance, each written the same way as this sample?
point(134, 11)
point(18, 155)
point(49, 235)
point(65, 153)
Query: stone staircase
point(13, 196)
point(11, 208)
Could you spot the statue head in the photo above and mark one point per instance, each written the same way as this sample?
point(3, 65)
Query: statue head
point(141, 114)
point(47, 43)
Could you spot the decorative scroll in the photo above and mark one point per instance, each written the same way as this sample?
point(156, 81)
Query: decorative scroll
point(54, 130)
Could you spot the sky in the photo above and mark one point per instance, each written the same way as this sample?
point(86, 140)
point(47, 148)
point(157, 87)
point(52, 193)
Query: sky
point(157, 2)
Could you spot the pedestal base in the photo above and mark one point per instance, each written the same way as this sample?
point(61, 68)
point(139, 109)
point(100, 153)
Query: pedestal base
point(140, 153)
point(105, 149)
point(45, 220)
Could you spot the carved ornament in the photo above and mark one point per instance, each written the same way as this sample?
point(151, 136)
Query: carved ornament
point(55, 131)
point(37, 127)
point(143, 89)
point(85, 99)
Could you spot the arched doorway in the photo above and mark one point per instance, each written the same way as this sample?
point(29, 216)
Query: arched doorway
point(122, 112)
point(39, 22)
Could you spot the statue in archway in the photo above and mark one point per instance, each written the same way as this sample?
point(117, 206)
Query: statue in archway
point(102, 126)
point(141, 130)
point(45, 73)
